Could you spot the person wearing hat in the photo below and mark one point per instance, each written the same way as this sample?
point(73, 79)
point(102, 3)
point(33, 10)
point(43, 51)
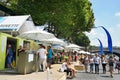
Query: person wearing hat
point(41, 53)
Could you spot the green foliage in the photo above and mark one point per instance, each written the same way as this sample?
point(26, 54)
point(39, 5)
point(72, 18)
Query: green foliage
point(69, 18)
point(82, 40)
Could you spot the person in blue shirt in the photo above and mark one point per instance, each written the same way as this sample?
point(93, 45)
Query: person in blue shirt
point(9, 56)
point(49, 56)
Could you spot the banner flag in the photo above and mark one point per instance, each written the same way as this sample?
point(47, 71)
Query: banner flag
point(101, 47)
point(109, 40)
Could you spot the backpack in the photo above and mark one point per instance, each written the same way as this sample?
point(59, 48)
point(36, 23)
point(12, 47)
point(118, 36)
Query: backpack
point(111, 61)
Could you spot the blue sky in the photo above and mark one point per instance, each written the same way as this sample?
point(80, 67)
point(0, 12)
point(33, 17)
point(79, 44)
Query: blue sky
point(107, 14)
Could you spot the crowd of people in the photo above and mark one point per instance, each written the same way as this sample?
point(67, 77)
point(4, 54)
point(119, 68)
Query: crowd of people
point(46, 56)
point(93, 62)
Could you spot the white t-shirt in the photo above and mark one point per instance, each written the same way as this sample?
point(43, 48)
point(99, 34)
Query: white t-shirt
point(91, 60)
point(63, 66)
point(41, 52)
point(45, 54)
point(97, 60)
point(104, 61)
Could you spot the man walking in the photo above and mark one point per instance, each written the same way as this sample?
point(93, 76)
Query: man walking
point(49, 56)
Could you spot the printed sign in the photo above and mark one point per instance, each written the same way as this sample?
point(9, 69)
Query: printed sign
point(30, 57)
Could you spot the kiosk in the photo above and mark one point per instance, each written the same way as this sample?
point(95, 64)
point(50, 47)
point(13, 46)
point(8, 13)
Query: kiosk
point(28, 56)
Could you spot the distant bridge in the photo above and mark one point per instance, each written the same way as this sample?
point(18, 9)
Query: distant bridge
point(116, 51)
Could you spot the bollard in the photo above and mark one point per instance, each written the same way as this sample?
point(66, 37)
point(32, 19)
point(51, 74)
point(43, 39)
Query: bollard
point(48, 73)
point(36, 63)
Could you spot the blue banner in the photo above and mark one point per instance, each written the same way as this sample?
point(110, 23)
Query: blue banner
point(101, 47)
point(109, 40)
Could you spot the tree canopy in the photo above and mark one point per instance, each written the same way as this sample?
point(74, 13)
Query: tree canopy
point(67, 19)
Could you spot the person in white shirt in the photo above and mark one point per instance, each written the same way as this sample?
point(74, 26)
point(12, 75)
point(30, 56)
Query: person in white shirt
point(91, 62)
point(97, 62)
point(86, 62)
point(42, 57)
point(45, 61)
point(65, 68)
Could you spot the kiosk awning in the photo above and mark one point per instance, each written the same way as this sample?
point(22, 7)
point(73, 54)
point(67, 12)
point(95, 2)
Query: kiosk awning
point(12, 22)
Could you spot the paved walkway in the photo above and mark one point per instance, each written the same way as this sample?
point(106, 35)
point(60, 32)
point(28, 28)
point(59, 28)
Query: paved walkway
point(54, 75)
point(81, 75)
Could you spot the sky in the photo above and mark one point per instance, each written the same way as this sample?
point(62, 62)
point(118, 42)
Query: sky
point(107, 14)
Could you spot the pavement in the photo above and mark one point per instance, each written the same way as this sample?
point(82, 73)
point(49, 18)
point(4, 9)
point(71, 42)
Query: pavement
point(81, 75)
point(54, 75)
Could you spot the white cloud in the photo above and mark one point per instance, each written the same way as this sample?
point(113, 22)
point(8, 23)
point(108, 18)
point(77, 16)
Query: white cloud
point(92, 32)
point(111, 30)
point(100, 33)
point(117, 14)
point(118, 25)
point(97, 33)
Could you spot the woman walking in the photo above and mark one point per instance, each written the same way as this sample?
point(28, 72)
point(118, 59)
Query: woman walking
point(91, 61)
point(42, 54)
point(104, 63)
point(86, 62)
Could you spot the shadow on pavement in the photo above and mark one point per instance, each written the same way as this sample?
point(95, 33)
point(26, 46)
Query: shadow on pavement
point(106, 76)
point(116, 73)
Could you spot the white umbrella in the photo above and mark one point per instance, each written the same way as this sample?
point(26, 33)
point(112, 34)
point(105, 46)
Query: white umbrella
point(87, 52)
point(57, 47)
point(83, 52)
point(36, 35)
point(73, 46)
point(54, 41)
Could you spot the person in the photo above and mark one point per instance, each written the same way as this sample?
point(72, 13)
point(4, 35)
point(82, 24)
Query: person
point(76, 56)
point(104, 63)
point(49, 56)
point(115, 61)
point(86, 62)
point(20, 49)
point(82, 58)
point(111, 65)
point(91, 61)
point(97, 62)
point(9, 56)
point(65, 68)
point(41, 53)
point(45, 61)
point(118, 65)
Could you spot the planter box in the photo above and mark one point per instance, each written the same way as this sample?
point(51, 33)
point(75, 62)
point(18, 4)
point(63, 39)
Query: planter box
point(79, 67)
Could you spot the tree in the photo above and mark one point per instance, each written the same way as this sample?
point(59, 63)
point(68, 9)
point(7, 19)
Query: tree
point(65, 18)
point(82, 40)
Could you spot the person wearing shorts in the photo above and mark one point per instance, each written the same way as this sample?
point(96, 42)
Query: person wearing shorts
point(49, 56)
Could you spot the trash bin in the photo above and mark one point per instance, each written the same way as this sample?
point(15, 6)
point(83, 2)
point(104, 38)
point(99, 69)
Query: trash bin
point(26, 62)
